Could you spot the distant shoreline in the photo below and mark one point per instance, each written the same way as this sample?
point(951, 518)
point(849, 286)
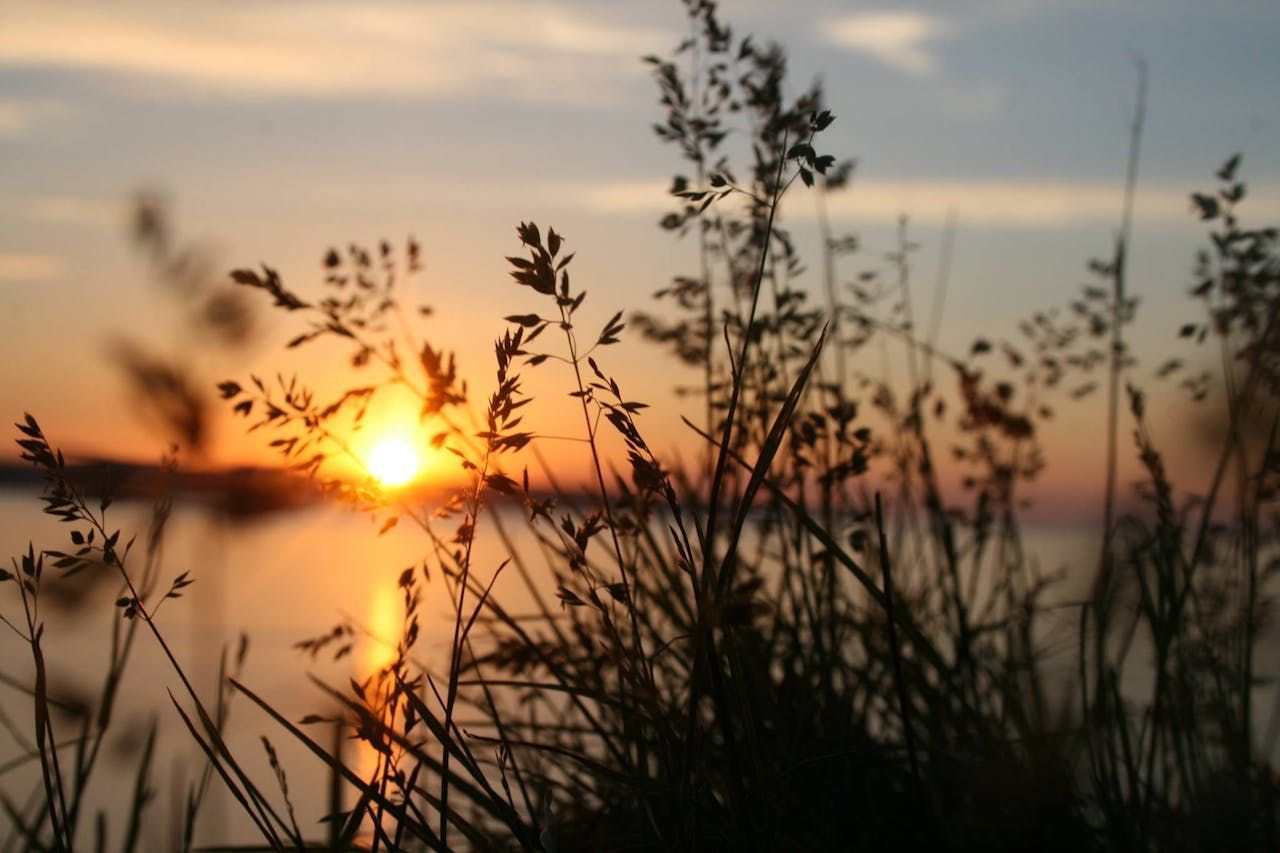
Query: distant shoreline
point(241, 492)
point(249, 492)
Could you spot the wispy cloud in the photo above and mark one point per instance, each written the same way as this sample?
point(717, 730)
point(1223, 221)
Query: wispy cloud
point(26, 267)
point(1029, 205)
point(19, 116)
point(900, 39)
point(540, 52)
point(68, 210)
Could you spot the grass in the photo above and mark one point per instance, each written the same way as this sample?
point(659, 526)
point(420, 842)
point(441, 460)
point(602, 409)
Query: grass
point(800, 640)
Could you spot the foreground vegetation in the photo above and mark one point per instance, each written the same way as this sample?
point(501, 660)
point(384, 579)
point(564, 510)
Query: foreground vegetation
point(800, 639)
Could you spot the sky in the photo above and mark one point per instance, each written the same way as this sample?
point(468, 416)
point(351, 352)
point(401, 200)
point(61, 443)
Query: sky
point(275, 130)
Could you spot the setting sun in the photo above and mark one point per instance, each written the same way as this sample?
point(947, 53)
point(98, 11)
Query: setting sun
point(393, 462)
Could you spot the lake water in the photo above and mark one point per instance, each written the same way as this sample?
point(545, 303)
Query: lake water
point(289, 576)
point(279, 580)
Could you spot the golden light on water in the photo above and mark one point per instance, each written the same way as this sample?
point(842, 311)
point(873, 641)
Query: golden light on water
point(384, 619)
point(393, 462)
point(385, 614)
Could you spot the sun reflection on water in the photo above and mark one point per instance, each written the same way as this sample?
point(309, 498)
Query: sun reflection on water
point(384, 618)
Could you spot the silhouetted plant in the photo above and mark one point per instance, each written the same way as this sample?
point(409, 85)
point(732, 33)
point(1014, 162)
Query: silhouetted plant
point(806, 639)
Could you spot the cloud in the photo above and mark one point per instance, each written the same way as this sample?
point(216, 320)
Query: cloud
point(900, 40)
point(539, 52)
point(17, 117)
point(20, 267)
point(990, 203)
point(64, 210)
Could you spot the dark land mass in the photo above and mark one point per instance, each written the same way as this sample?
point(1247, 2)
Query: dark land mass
point(240, 493)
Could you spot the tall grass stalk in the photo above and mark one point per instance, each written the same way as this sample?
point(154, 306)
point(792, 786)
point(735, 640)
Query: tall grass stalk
point(805, 639)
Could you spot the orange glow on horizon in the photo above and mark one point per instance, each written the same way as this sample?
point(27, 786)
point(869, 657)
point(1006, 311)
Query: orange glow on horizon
point(391, 445)
point(393, 461)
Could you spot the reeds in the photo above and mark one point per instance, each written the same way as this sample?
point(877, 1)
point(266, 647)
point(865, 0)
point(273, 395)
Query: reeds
point(802, 640)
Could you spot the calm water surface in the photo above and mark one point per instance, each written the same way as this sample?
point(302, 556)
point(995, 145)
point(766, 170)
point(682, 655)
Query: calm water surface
point(280, 579)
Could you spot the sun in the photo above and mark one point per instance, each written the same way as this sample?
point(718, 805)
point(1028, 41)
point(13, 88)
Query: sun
point(393, 462)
